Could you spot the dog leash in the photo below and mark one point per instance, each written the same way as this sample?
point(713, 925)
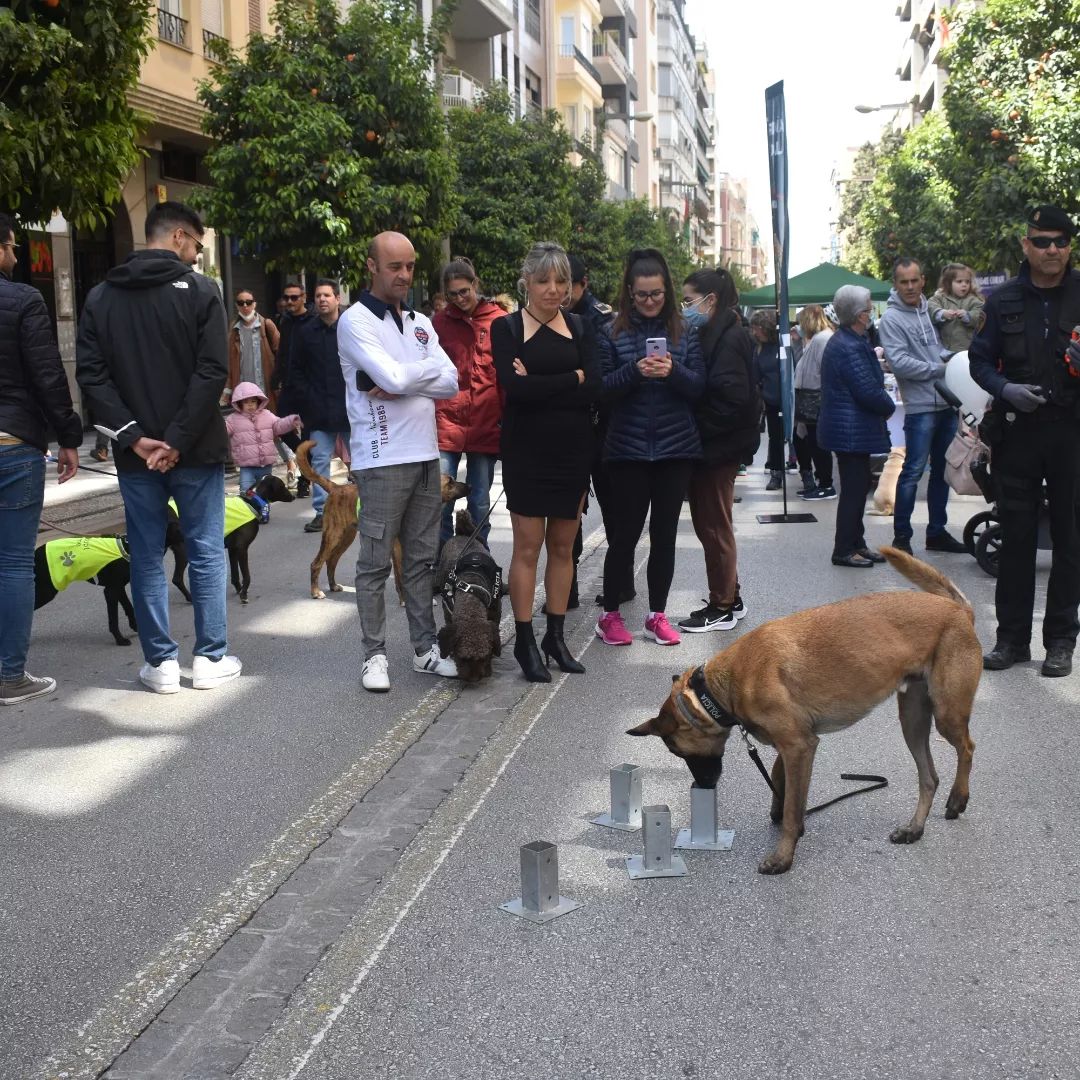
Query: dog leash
point(872, 781)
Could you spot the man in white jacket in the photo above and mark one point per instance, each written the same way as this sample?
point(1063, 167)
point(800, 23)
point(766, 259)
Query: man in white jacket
point(394, 372)
point(917, 359)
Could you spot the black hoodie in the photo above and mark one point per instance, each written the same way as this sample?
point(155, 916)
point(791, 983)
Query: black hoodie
point(152, 358)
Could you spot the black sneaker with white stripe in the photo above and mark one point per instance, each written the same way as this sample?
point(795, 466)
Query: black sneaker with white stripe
point(738, 608)
point(710, 617)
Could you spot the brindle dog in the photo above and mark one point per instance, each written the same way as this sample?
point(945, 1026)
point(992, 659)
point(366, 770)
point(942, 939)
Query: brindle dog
point(822, 670)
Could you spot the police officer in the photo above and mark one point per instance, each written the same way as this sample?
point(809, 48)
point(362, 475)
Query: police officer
point(1022, 357)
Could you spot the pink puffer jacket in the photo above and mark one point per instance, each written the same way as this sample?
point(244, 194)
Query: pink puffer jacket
point(252, 435)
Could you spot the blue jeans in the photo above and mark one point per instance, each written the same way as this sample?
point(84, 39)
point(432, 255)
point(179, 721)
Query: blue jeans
point(321, 453)
point(927, 435)
point(22, 493)
point(199, 491)
point(479, 475)
point(250, 475)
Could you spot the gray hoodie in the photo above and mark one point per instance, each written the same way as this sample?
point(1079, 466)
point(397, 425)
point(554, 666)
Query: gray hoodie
point(913, 350)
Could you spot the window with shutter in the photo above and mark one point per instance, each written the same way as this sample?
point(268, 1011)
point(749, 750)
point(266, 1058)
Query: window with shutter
point(254, 16)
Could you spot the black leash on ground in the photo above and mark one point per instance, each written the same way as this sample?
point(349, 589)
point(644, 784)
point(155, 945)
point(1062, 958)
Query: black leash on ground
point(872, 781)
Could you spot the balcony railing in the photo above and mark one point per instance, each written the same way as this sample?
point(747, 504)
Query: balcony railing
point(606, 45)
point(214, 46)
point(172, 28)
point(458, 91)
point(575, 53)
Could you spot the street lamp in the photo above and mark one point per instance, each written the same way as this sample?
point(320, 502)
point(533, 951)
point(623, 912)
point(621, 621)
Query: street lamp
point(883, 108)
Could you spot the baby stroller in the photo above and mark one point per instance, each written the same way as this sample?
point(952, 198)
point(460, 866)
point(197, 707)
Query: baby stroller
point(967, 471)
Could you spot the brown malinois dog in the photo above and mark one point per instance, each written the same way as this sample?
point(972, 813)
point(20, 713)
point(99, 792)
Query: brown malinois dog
point(822, 670)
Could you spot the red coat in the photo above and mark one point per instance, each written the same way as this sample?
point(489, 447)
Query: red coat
point(469, 421)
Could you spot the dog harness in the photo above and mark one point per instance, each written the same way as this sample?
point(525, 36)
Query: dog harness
point(475, 572)
point(238, 511)
point(81, 558)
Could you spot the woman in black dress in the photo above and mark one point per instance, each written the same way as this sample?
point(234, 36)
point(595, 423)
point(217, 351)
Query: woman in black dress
point(547, 368)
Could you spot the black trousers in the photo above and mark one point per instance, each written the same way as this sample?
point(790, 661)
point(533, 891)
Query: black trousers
point(1035, 450)
point(854, 472)
point(774, 425)
point(814, 458)
point(637, 489)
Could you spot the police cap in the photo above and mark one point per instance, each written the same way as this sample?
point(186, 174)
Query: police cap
point(1051, 219)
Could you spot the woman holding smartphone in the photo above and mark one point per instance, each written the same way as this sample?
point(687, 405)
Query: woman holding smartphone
point(653, 375)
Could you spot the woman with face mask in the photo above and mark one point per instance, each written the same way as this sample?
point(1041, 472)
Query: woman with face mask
point(727, 417)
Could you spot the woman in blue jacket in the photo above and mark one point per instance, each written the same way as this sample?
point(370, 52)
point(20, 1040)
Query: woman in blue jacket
point(652, 439)
point(854, 408)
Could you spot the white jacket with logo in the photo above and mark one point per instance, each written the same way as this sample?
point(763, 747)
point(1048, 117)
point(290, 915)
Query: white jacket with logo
point(409, 363)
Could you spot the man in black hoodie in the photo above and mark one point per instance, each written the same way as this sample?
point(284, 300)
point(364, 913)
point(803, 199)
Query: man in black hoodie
point(34, 395)
point(152, 361)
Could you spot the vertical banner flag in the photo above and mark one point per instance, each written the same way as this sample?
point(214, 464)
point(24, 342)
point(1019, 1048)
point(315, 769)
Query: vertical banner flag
point(778, 183)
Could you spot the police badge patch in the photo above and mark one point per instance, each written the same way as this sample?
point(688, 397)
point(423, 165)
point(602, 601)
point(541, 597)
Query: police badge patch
point(421, 335)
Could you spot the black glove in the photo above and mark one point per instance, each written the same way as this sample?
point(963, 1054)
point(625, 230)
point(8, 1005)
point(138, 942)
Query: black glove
point(1074, 353)
point(1023, 397)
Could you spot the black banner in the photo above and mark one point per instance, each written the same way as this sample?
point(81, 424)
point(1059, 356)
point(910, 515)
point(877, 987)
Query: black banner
point(778, 183)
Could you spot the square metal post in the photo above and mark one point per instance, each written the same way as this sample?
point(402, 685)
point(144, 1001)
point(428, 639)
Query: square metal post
point(625, 800)
point(540, 901)
point(703, 834)
point(657, 860)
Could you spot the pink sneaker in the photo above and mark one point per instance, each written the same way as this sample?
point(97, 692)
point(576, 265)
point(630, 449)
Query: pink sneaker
point(661, 631)
point(611, 630)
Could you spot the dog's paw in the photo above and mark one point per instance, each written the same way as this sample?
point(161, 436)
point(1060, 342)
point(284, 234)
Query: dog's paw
point(774, 864)
point(337, 588)
point(318, 594)
point(122, 641)
point(956, 805)
point(905, 834)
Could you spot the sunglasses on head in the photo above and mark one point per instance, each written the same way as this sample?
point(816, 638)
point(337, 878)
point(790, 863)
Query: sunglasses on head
point(1043, 242)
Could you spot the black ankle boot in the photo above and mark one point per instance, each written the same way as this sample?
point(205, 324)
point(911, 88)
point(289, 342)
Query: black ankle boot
point(528, 655)
point(554, 646)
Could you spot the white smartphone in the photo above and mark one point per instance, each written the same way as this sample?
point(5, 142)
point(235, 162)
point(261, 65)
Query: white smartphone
point(656, 346)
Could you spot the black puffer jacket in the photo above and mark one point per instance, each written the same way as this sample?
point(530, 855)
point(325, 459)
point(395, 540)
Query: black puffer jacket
point(728, 414)
point(34, 393)
point(152, 358)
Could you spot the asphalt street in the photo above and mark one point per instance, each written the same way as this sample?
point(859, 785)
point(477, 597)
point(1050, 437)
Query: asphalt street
point(152, 841)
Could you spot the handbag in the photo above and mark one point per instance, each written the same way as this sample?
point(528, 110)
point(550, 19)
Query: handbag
point(807, 406)
point(965, 452)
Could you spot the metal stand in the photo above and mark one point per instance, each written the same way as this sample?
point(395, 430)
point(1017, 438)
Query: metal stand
point(625, 800)
point(703, 835)
point(657, 861)
point(540, 901)
point(785, 518)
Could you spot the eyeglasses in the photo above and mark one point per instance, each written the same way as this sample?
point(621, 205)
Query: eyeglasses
point(1043, 242)
point(11, 244)
point(688, 303)
point(649, 297)
point(244, 303)
point(199, 245)
point(453, 294)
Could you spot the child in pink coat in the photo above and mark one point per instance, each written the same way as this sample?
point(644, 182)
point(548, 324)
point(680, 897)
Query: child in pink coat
point(252, 430)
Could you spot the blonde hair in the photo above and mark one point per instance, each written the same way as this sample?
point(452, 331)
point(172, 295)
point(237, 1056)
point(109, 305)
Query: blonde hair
point(544, 258)
point(812, 320)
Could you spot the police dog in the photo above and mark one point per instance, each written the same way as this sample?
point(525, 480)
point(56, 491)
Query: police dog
point(822, 670)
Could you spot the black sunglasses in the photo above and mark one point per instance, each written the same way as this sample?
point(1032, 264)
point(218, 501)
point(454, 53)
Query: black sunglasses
point(244, 303)
point(293, 297)
point(1043, 242)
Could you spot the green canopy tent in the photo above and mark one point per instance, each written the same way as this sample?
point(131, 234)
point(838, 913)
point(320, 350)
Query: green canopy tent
point(817, 286)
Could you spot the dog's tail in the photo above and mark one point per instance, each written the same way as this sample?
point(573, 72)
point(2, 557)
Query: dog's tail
point(303, 459)
point(925, 576)
point(464, 524)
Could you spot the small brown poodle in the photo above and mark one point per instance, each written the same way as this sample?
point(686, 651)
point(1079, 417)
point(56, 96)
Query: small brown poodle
point(470, 584)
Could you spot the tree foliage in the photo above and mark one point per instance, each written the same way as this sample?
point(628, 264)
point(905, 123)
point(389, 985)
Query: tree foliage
point(517, 184)
point(328, 132)
point(958, 186)
point(67, 132)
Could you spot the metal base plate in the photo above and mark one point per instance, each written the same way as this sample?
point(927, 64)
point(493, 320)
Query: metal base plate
point(515, 907)
point(636, 869)
point(724, 839)
point(785, 519)
point(605, 820)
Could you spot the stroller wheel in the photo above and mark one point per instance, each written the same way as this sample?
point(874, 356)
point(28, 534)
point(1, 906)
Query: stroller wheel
point(988, 549)
point(976, 526)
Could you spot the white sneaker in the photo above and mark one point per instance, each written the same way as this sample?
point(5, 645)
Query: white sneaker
point(375, 677)
point(163, 679)
point(434, 663)
point(207, 673)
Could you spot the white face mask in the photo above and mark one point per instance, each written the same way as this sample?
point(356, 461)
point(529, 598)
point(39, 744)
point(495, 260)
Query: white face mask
point(248, 318)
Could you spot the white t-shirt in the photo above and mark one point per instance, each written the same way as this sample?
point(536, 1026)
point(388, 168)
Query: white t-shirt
point(406, 361)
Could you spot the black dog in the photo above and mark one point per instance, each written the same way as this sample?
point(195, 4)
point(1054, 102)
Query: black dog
point(97, 560)
point(470, 582)
point(237, 539)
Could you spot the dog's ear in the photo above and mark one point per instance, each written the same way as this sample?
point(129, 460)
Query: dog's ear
point(658, 725)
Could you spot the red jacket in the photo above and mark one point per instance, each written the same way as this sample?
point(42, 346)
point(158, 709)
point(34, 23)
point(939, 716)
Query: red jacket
point(469, 421)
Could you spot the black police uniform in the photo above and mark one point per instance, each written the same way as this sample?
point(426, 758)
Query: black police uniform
point(1024, 340)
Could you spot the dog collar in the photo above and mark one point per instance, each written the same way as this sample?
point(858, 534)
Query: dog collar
point(713, 709)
